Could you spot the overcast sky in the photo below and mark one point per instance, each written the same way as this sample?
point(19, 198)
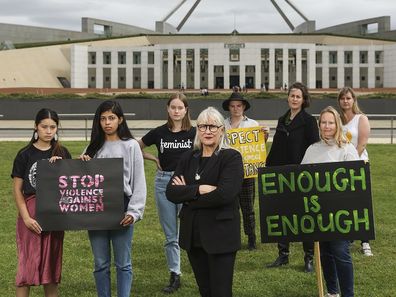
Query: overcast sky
point(211, 16)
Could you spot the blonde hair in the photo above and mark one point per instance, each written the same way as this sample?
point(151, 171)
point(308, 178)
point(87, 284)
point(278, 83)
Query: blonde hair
point(215, 116)
point(355, 107)
point(339, 136)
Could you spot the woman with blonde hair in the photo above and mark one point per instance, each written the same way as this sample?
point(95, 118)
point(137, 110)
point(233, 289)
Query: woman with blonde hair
point(356, 128)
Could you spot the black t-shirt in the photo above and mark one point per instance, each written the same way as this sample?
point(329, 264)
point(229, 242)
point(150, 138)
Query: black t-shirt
point(170, 145)
point(25, 166)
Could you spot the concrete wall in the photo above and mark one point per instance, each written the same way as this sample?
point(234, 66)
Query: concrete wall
point(155, 109)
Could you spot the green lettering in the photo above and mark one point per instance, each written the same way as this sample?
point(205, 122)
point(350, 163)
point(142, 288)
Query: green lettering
point(273, 225)
point(310, 181)
point(347, 223)
point(344, 181)
point(287, 225)
point(290, 183)
point(315, 204)
point(309, 219)
point(268, 184)
point(329, 227)
point(361, 178)
point(364, 220)
point(326, 186)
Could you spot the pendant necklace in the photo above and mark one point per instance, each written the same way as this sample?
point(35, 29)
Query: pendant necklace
point(201, 167)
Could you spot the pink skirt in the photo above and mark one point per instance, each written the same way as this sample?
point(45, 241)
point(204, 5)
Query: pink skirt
point(39, 256)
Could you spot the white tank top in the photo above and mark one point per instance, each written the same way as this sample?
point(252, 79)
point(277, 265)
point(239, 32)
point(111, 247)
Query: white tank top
point(351, 131)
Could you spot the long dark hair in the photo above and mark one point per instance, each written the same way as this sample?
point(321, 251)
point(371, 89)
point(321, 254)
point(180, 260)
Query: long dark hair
point(98, 135)
point(43, 114)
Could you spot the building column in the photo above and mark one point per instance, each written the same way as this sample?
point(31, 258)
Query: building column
point(158, 71)
point(371, 67)
point(197, 68)
point(210, 69)
point(285, 67)
point(257, 69)
point(170, 68)
point(299, 64)
point(129, 70)
point(226, 68)
point(271, 78)
point(340, 68)
point(79, 66)
point(242, 75)
point(114, 70)
point(99, 69)
point(325, 69)
point(311, 68)
point(355, 68)
point(144, 69)
point(183, 70)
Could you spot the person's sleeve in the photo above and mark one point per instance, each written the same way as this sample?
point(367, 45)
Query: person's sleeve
point(351, 154)
point(180, 194)
point(229, 184)
point(307, 156)
point(150, 137)
point(137, 201)
point(18, 169)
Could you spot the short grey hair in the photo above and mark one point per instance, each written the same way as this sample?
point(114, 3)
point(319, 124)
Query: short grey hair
point(216, 117)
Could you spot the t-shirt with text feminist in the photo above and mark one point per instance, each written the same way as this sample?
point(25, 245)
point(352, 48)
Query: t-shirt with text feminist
point(170, 145)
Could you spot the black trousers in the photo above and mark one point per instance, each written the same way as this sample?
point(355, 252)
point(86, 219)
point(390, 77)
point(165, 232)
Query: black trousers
point(246, 202)
point(213, 272)
point(308, 247)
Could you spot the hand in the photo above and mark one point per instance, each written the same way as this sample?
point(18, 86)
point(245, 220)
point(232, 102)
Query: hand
point(54, 158)
point(85, 157)
point(204, 189)
point(158, 164)
point(178, 181)
point(127, 220)
point(266, 131)
point(33, 225)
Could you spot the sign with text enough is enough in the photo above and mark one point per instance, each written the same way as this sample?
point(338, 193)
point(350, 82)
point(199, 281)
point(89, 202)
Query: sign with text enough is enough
point(250, 143)
point(316, 202)
point(80, 195)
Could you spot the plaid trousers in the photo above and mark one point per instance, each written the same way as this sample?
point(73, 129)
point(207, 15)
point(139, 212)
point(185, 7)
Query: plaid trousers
point(246, 202)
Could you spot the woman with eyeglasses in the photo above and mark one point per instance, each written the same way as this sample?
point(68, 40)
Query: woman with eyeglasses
point(207, 181)
point(172, 139)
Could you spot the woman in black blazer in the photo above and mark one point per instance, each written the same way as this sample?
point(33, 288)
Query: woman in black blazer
point(295, 132)
point(208, 181)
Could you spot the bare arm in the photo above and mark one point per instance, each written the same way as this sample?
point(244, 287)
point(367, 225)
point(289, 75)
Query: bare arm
point(364, 133)
point(30, 223)
point(148, 156)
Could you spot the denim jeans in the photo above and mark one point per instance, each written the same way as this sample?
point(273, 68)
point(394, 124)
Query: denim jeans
point(121, 240)
point(168, 217)
point(337, 267)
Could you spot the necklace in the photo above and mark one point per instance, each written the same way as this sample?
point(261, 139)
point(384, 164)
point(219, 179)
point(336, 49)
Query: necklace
point(201, 167)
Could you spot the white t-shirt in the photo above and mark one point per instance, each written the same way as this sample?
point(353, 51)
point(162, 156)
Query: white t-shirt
point(245, 123)
point(351, 131)
point(321, 152)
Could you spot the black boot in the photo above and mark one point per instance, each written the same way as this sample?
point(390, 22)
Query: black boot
point(174, 283)
point(281, 260)
point(252, 242)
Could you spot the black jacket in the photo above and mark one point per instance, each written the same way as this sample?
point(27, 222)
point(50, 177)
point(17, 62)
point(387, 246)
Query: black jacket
point(291, 141)
point(214, 216)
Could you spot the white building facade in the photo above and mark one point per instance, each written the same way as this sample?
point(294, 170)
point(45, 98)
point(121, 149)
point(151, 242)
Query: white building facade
point(270, 62)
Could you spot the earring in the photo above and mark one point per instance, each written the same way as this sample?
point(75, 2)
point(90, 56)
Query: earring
point(35, 135)
point(56, 137)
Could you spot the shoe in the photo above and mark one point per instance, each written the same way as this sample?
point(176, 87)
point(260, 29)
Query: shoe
point(308, 266)
point(174, 284)
point(366, 249)
point(252, 242)
point(281, 260)
point(332, 295)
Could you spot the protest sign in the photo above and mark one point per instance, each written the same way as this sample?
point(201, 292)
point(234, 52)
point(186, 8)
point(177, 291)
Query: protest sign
point(250, 143)
point(316, 202)
point(77, 195)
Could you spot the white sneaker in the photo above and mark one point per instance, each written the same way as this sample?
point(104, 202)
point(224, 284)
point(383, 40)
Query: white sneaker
point(366, 249)
point(332, 295)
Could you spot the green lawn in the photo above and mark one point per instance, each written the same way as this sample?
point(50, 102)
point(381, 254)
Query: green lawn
point(374, 276)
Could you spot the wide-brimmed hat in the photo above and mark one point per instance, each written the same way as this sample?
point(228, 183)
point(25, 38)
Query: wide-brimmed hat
point(235, 96)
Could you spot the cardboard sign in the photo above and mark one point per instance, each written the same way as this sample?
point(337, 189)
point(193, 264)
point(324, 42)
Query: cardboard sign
point(316, 202)
point(250, 143)
point(80, 195)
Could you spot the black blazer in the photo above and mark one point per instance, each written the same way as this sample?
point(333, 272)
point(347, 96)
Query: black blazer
point(291, 141)
point(214, 215)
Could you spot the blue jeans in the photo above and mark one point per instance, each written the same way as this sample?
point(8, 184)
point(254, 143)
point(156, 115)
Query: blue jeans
point(168, 217)
point(121, 241)
point(337, 267)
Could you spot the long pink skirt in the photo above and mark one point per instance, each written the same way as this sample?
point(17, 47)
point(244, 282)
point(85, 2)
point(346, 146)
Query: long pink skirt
point(39, 256)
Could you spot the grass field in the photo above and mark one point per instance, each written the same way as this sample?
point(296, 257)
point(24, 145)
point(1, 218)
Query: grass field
point(374, 276)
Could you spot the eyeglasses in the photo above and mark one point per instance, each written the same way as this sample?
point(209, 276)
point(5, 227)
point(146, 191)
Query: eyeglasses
point(212, 128)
